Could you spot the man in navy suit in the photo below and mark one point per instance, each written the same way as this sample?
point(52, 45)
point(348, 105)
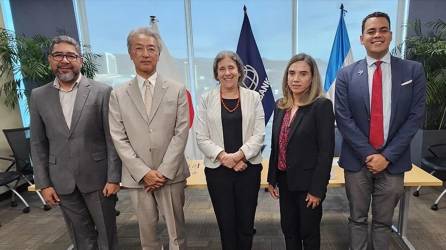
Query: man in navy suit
point(379, 105)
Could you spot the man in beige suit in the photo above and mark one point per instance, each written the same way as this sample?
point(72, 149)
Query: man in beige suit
point(149, 127)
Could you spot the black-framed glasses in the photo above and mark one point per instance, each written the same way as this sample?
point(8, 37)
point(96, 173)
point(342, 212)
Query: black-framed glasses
point(60, 56)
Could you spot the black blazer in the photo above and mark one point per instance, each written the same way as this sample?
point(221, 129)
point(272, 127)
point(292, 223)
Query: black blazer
point(310, 148)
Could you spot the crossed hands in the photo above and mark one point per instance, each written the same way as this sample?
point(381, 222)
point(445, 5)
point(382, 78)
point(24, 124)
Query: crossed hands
point(233, 160)
point(153, 180)
point(376, 163)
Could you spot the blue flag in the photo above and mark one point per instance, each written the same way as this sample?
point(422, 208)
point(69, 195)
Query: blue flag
point(255, 77)
point(340, 56)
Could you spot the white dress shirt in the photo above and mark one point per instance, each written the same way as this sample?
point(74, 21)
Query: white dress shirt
point(386, 88)
point(141, 80)
point(67, 98)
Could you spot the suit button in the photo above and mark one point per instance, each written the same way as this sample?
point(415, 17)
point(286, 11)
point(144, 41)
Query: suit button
point(150, 150)
point(150, 130)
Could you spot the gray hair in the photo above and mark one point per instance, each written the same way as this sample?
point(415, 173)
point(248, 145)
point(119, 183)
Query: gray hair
point(64, 39)
point(238, 62)
point(143, 31)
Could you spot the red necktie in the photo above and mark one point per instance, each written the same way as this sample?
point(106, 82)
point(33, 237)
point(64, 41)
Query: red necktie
point(376, 136)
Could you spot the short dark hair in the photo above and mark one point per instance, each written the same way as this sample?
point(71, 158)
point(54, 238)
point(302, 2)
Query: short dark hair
point(64, 39)
point(374, 14)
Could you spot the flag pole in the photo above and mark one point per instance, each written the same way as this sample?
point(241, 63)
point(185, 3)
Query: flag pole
point(343, 11)
point(152, 19)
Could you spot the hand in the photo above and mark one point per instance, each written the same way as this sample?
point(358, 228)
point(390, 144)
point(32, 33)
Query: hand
point(153, 180)
point(226, 160)
point(273, 191)
point(110, 189)
point(240, 166)
point(151, 188)
point(376, 163)
point(312, 201)
point(237, 156)
point(50, 196)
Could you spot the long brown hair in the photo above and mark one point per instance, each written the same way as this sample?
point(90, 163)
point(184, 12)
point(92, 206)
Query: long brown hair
point(315, 90)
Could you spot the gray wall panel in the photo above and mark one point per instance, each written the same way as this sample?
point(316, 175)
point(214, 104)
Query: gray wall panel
point(44, 17)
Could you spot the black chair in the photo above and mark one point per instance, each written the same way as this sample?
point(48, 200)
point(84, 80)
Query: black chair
point(436, 162)
point(7, 178)
point(18, 140)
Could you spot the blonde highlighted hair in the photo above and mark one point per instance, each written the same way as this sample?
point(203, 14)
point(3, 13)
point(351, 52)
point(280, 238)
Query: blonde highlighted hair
point(314, 91)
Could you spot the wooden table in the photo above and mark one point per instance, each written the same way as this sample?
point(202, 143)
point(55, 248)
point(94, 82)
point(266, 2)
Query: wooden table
point(414, 178)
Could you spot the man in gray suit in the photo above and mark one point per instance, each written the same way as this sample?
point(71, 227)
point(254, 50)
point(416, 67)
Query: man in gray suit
point(149, 126)
point(75, 162)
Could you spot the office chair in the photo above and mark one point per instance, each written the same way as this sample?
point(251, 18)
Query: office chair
point(436, 162)
point(7, 178)
point(18, 140)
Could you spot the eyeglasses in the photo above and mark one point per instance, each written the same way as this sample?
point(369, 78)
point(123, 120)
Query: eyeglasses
point(60, 56)
point(139, 50)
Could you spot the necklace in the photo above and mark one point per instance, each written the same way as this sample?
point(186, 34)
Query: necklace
point(226, 107)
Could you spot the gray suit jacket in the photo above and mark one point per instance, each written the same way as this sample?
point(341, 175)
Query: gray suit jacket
point(83, 156)
point(156, 141)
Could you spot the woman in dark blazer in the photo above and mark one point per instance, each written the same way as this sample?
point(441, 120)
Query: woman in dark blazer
point(301, 153)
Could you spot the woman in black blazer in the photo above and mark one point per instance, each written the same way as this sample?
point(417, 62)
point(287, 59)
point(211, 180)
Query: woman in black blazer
point(301, 153)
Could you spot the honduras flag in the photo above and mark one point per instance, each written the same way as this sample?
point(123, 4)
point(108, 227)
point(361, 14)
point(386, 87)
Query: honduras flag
point(255, 74)
point(341, 55)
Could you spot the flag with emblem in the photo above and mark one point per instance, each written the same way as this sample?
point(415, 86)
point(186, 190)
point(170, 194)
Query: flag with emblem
point(255, 77)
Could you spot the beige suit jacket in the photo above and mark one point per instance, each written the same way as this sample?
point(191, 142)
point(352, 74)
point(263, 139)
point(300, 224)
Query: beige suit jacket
point(156, 141)
point(209, 130)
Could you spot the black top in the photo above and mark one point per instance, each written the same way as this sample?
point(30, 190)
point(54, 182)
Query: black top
point(232, 126)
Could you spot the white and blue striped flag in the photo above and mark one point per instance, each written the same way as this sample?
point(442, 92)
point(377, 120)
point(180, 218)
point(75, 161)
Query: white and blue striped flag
point(341, 55)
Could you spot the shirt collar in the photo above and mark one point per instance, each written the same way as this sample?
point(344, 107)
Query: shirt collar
point(385, 59)
point(152, 79)
point(56, 84)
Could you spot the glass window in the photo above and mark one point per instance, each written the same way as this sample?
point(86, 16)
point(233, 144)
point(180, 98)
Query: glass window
point(216, 27)
point(318, 21)
point(110, 21)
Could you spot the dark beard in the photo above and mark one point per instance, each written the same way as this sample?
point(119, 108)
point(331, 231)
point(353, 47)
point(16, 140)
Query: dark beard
point(68, 77)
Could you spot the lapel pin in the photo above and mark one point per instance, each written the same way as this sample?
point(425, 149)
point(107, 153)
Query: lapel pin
point(360, 72)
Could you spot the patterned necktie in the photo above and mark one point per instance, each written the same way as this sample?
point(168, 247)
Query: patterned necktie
point(376, 136)
point(148, 95)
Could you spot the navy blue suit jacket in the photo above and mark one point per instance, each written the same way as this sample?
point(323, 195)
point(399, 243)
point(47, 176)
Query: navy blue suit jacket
point(352, 108)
